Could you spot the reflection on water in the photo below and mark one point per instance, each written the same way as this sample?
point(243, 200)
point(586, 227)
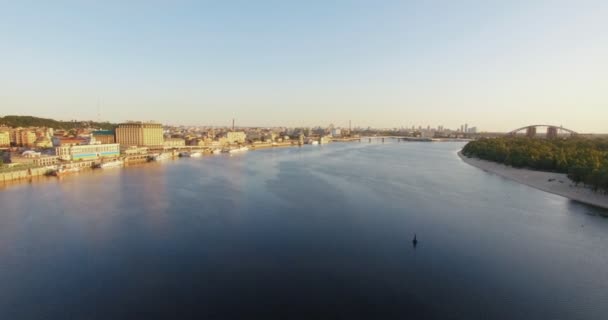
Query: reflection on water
point(312, 232)
point(577, 207)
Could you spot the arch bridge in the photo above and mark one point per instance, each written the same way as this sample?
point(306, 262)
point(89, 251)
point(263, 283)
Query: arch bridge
point(552, 131)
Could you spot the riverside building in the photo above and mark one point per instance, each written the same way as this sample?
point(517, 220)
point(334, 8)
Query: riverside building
point(174, 142)
point(235, 137)
point(32, 157)
point(88, 152)
point(149, 134)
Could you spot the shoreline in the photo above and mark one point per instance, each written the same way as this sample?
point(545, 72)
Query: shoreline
point(551, 182)
point(25, 176)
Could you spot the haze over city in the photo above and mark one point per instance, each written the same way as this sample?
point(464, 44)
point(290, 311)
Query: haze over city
point(274, 63)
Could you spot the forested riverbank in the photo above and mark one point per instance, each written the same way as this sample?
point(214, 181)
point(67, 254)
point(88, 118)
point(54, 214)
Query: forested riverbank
point(584, 160)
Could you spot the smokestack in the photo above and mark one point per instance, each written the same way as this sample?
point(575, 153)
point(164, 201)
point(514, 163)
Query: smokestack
point(232, 124)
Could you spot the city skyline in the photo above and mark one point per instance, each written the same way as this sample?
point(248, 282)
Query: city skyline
point(495, 66)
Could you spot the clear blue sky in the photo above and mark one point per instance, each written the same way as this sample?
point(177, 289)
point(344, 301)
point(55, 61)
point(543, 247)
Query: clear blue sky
point(494, 64)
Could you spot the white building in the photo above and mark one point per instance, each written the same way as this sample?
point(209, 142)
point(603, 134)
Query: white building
point(235, 137)
point(174, 142)
point(88, 152)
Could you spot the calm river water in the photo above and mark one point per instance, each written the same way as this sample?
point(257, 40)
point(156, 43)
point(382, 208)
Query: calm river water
point(311, 232)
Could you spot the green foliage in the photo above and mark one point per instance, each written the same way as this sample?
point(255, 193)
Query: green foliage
point(29, 121)
point(584, 160)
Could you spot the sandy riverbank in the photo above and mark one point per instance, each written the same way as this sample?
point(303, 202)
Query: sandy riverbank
point(556, 183)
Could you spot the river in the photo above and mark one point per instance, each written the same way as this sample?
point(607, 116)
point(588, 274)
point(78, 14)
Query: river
point(312, 232)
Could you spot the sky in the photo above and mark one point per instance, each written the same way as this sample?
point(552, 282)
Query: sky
point(497, 65)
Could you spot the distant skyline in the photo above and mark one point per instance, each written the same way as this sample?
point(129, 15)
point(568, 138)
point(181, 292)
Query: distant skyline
point(494, 65)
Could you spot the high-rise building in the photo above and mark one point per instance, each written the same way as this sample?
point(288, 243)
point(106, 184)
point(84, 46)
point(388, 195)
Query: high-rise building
point(5, 139)
point(23, 137)
point(551, 132)
point(140, 134)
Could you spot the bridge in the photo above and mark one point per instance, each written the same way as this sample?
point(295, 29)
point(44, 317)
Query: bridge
point(552, 131)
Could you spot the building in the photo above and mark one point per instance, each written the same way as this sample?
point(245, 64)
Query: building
point(235, 137)
point(28, 138)
point(33, 158)
point(104, 136)
point(132, 151)
point(551, 132)
point(148, 134)
point(336, 133)
point(68, 141)
point(22, 137)
point(88, 152)
point(45, 161)
point(43, 142)
point(174, 142)
point(5, 139)
point(198, 142)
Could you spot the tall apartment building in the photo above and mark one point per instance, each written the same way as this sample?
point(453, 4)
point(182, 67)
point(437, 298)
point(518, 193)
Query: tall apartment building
point(140, 134)
point(23, 137)
point(5, 139)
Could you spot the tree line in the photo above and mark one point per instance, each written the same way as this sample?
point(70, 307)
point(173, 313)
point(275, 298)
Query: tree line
point(29, 121)
point(585, 160)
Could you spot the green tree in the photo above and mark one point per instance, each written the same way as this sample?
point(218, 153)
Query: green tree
point(584, 160)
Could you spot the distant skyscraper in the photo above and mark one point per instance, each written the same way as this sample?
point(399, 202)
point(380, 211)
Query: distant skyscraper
point(466, 127)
